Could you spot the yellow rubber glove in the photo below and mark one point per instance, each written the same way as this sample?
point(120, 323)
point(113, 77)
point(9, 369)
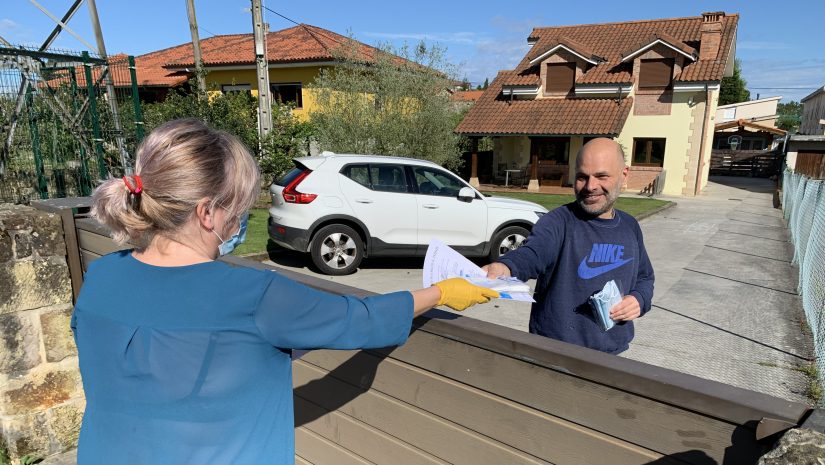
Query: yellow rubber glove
point(458, 293)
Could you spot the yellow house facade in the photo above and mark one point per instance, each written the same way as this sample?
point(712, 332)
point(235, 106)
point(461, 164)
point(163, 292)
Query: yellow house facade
point(295, 57)
point(653, 86)
point(288, 84)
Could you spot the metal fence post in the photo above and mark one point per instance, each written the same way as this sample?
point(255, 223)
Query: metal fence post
point(42, 185)
point(85, 181)
point(136, 101)
point(98, 139)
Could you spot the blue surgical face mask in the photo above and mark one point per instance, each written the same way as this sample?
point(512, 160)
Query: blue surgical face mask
point(603, 301)
point(227, 246)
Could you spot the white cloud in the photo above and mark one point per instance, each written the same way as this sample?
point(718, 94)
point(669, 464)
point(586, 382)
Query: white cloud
point(8, 25)
point(443, 37)
point(478, 55)
point(791, 79)
point(14, 32)
point(756, 45)
point(515, 26)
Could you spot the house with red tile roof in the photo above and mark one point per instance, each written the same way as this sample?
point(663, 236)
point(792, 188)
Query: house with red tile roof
point(295, 55)
point(651, 85)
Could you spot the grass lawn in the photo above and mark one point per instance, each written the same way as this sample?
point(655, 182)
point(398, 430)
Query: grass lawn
point(257, 235)
point(631, 205)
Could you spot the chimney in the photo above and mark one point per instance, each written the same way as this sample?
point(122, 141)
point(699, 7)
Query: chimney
point(711, 35)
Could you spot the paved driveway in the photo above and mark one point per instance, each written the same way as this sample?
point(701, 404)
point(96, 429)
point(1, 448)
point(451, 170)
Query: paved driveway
point(725, 304)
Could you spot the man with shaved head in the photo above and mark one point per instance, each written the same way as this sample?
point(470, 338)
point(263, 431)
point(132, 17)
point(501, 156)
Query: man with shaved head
point(574, 250)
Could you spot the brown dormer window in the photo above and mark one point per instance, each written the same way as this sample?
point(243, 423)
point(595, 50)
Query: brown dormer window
point(656, 73)
point(560, 78)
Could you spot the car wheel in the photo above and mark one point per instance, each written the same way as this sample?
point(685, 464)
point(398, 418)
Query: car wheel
point(509, 238)
point(337, 250)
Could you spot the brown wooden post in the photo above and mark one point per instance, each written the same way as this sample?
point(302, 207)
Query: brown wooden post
point(474, 164)
point(533, 185)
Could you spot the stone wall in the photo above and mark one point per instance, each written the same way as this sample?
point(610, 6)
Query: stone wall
point(800, 446)
point(41, 398)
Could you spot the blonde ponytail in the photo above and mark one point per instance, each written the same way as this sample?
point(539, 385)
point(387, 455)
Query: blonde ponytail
point(119, 210)
point(179, 164)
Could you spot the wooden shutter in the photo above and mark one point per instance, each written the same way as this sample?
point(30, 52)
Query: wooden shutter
point(560, 77)
point(656, 73)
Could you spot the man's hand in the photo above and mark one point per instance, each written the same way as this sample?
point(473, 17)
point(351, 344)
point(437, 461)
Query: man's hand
point(626, 310)
point(496, 270)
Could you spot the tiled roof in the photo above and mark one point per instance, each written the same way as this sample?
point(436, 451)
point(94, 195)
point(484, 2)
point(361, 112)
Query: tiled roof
point(466, 95)
point(302, 43)
point(516, 79)
point(297, 44)
point(612, 40)
point(683, 47)
point(119, 72)
point(150, 67)
point(571, 44)
point(495, 114)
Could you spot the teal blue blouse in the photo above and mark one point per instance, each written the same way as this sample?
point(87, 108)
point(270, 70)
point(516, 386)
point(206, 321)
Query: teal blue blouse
point(190, 364)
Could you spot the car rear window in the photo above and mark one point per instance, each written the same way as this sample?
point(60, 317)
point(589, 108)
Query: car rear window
point(289, 176)
point(358, 173)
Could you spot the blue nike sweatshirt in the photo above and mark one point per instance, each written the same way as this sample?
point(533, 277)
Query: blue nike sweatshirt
point(572, 256)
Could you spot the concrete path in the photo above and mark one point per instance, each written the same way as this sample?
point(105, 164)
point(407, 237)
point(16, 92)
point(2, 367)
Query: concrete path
point(725, 301)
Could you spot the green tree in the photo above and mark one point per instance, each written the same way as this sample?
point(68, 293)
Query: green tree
point(288, 139)
point(734, 89)
point(233, 112)
point(789, 116)
point(486, 84)
point(395, 104)
point(237, 114)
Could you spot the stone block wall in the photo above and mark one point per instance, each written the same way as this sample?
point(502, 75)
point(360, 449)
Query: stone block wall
point(41, 397)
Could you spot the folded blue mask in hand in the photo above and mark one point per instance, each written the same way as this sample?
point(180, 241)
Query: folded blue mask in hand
point(603, 301)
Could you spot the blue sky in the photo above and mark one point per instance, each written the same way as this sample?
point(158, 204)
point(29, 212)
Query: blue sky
point(780, 45)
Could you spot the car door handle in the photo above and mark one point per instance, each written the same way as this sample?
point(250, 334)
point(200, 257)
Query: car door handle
point(363, 200)
point(430, 206)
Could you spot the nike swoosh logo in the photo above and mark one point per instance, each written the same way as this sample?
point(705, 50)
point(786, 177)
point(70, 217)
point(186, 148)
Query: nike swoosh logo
point(585, 272)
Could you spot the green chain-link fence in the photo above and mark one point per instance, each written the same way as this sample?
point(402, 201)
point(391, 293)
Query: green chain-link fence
point(61, 128)
point(803, 200)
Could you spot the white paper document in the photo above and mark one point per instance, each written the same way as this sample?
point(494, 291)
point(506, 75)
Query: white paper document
point(442, 262)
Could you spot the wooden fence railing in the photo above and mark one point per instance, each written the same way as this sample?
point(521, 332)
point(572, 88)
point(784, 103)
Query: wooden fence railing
point(756, 163)
point(463, 391)
point(811, 164)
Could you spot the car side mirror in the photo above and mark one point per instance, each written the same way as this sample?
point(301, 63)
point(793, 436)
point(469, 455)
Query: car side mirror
point(466, 194)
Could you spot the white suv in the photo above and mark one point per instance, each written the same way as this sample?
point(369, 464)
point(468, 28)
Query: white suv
point(342, 208)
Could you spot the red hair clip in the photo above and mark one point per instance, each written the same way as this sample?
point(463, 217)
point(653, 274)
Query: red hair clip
point(137, 188)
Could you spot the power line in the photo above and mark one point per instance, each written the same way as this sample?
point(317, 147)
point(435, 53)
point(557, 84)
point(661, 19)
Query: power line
point(282, 16)
point(334, 39)
point(206, 30)
point(315, 31)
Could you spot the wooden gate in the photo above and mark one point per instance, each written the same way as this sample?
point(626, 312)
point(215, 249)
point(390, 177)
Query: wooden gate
point(464, 391)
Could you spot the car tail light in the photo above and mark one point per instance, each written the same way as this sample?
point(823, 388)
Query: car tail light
point(291, 195)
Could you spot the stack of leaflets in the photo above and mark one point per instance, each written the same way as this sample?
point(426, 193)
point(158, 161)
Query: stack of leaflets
point(506, 287)
point(442, 262)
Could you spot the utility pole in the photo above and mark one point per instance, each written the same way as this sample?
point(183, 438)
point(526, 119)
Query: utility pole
point(264, 102)
point(110, 88)
point(196, 47)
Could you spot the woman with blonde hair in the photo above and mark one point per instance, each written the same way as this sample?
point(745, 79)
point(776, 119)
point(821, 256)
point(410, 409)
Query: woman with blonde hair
point(184, 358)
